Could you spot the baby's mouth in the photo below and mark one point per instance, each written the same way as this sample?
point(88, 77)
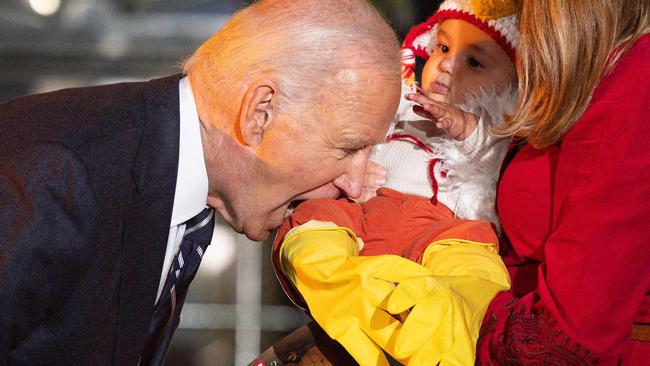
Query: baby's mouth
point(438, 88)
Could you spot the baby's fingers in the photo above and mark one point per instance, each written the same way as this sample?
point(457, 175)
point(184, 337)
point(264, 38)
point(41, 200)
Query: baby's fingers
point(430, 109)
point(418, 98)
point(441, 123)
point(424, 100)
point(375, 175)
point(422, 113)
point(366, 195)
point(375, 178)
point(375, 168)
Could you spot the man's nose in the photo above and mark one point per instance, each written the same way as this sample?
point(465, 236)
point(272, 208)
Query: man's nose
point(351, 181)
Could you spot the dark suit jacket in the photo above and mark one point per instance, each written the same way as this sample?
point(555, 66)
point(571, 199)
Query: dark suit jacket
point(87, 179)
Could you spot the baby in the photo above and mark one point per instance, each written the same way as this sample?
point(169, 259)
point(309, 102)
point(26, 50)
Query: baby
point(468, 84)
point(345, 261)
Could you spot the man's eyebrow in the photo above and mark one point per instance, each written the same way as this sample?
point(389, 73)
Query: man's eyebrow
point(354, 143)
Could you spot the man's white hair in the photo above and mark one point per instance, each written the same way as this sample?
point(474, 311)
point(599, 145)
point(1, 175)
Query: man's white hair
point(309, 46)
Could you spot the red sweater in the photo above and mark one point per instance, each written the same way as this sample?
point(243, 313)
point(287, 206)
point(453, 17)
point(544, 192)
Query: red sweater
point(577, 216)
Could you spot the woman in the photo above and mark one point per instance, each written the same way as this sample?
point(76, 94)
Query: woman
point(574, 200)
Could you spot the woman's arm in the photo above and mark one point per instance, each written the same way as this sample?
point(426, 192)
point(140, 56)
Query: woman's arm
point(596, 268)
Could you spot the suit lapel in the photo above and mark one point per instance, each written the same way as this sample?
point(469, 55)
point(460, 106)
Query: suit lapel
point(148, 216)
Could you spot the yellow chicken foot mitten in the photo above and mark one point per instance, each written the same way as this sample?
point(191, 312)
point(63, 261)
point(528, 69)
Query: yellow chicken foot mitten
point(346, 293)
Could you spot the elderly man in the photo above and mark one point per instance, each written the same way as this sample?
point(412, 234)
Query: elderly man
point(107, 194)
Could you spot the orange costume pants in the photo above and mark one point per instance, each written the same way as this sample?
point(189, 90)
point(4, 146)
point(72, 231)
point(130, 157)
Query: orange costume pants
point(390, 223)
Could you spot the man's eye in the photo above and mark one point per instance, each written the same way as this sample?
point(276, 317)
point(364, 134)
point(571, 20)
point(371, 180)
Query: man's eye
point(350, 151)
point(474, 63)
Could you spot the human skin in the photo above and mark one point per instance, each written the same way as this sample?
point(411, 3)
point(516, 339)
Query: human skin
point(464, 61)
point(278, 158)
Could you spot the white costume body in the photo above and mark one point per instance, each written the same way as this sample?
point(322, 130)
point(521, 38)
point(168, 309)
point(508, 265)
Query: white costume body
point(471, 166)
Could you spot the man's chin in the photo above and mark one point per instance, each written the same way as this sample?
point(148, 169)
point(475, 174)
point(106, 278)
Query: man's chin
point(258, 236)
point(256, 228)
point(260, 230)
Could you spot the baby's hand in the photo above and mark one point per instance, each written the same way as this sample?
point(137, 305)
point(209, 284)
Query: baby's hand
point(375, 178)
point(458, 123)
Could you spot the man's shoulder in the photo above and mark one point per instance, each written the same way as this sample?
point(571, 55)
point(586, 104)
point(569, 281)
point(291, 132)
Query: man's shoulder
point(79, 116)
point(119, 91)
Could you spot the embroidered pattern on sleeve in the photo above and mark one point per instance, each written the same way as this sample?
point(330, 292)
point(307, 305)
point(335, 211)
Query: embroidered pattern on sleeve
point(529, 336)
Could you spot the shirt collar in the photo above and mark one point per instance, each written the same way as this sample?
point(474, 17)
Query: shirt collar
point(192, 180)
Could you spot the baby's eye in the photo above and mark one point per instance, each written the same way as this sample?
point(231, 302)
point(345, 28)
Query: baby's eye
point(443, 48)
point(474, 63)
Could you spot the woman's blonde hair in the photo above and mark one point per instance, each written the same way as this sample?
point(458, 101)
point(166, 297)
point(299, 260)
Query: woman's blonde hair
point(564, 50)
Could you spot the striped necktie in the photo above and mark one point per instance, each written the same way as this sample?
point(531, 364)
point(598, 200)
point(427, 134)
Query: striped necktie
point(166, 315)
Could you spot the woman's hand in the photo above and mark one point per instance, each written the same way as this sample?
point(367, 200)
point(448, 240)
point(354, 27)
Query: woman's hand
point(457, 123)
point(375, 178)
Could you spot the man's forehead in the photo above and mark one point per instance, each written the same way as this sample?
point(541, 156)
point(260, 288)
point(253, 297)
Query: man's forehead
point(358, 134)
point(360, 113)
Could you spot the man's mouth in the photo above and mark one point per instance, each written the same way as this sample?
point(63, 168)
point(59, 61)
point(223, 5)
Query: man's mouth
point(291, 208)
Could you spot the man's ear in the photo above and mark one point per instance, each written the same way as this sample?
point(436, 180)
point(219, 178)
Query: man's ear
point(256, 112)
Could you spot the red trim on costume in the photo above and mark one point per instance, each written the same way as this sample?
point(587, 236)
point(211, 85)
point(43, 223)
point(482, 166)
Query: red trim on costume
point(414, 139)
point(434, 182)
point(414, 33)
point(432, 163)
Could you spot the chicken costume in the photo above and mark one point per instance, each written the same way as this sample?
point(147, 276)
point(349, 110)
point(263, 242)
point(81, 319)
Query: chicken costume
point(357, 268)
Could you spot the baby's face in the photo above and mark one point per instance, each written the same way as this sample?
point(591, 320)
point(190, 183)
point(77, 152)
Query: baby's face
point(464, 60)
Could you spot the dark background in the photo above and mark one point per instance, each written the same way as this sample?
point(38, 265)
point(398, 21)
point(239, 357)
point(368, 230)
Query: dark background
point(235, 309)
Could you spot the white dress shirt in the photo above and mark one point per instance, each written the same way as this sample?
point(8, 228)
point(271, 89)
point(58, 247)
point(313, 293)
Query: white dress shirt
point(192, 180)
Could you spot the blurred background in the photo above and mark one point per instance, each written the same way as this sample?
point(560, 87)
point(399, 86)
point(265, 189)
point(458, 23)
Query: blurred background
point(235, 309)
